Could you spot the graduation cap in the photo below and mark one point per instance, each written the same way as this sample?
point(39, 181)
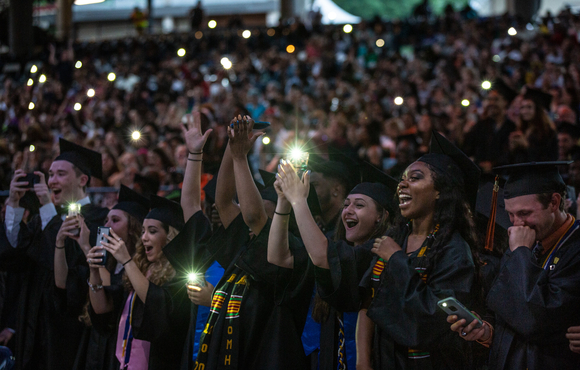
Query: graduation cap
point(451, 160)
point(313, 203)
point(378, 186)
point(87, 161)
point(532, 178)
point(133, 203)
point(166, 211)
point(504, 90)
point(540, 98)
point(484, 203)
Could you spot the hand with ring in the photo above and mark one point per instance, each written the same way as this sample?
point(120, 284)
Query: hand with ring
point(94, 257)
point(116, 246)
point(469, 332)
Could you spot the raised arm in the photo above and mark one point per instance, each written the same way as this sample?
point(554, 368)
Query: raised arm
point(195, 141)
point(242, 139)
point(225, 191)
point(100, 301)
point(278, 249)
point(296, 192)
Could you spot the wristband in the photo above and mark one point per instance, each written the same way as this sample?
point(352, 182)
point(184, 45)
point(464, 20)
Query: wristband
point(194, 160)
point(195, 153)
point(58, 247)
point(283, 214)
point(130, 259)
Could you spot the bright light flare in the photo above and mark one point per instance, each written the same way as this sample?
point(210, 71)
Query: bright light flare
point(78, 64)
point(465, 103)
point(31, 148)
point(33, 69)
point(290, 49)
point(246, 34)
point(512, 31)
point(226, 63)
point(31, 106)
point(181, 52)
point(496, 58)
point(486, 85)
point(265, 140)
point(212, 24)
point(380, 43)
point(77, 106)
point(30, 82)
point(112, 77)
point(90, 93)
point(42, 79)
point(136, 135)
point(398, 100)
point(347, 28)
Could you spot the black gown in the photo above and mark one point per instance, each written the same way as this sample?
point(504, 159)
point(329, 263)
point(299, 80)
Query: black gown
point(188, 254)
point(410, 331)
point(47, 338)
point(257, 318)
point(534, 309)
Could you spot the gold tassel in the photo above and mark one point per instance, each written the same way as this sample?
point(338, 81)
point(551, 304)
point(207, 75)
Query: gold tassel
point(491, 223)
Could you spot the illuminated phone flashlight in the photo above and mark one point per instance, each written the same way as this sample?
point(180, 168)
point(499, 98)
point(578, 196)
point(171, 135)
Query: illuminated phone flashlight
point(73, 211)
point(444, 304)
point(299, 159)
point(486, 85)
point(195, 281)
point(136, 135)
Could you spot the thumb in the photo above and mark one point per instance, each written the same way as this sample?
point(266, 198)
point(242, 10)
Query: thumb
point(206, 134)
point(255, 137)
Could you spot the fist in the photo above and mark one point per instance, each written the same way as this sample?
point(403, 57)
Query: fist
point(521, 236)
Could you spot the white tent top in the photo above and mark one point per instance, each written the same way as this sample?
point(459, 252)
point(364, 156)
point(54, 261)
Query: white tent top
point(333, 14)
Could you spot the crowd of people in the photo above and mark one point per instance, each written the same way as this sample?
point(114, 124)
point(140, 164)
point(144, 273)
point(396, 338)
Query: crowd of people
point(338, 263)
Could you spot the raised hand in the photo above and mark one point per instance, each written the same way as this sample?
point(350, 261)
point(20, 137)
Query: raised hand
point(385, 247)
point(17, 189)
point(200, 295)
point(95, 256)
point(194, 139)
point(116, 246)
point(41, 189)
point(65, 231)
point(242, 138)
point(294, 188)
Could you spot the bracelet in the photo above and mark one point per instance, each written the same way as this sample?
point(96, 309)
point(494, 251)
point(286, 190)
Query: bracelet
point(195, 153)
point(130, 259)
point(93, 287)
point(195, 160)
point(283, 214)
point(58, 247)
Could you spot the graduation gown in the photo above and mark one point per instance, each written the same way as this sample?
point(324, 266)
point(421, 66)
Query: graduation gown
point(47, 338)
point(259, 328)
point(188, 254)
point(534, 309)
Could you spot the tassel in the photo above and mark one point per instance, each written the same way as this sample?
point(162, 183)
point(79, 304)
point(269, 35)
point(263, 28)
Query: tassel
point(491, 223)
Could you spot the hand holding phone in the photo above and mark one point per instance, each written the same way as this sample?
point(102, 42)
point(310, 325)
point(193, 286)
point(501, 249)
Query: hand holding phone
point(101, 231)
point(453, 307)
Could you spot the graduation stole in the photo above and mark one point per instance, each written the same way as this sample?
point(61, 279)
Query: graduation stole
point(548, 265)
point(230, 295)
point(128, 332)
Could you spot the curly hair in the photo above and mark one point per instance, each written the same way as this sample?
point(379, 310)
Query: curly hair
point(158, 272)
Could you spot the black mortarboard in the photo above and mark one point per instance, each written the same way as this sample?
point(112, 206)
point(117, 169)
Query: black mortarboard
point(504, 90)
point(133, 203)
point(166, 211)
point(540, 98)
point(148, 184)
point(313, 203)
point(532, 178)
point(451, 160)
point(570, 129)
point(87, 161)
point(483, 206)
point(209, 189)
point(379, 186)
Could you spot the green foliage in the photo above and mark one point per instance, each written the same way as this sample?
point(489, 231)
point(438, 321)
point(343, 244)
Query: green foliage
point(392, 9)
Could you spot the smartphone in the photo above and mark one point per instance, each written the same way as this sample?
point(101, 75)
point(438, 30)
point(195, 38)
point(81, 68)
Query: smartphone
point(73, 211)
point(453, 307)
point(101, 232)
point(31, 179)
point(195, 281)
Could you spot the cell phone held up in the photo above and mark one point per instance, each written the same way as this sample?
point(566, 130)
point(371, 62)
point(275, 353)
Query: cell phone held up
point(101, 232)
point(31, 179)
point(453, 307)
point(74, 209)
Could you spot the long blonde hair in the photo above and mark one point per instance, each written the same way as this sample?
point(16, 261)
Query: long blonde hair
point(158, 272)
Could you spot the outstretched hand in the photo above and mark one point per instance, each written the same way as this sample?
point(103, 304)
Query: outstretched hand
point(385, 247)
point(293, 188)
point(241, 137)
point(194, 139)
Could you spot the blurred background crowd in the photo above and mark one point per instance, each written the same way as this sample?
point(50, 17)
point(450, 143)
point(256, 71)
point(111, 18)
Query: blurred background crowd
point(503, 90)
